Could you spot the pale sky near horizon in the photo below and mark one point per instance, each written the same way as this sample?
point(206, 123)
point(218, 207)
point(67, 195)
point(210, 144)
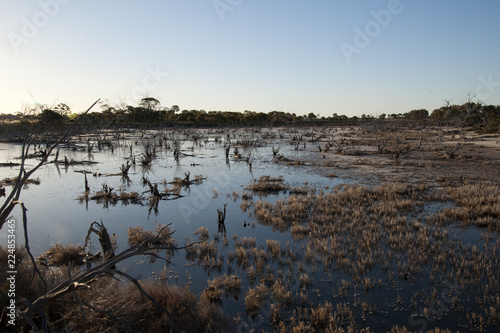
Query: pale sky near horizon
point(325, 57)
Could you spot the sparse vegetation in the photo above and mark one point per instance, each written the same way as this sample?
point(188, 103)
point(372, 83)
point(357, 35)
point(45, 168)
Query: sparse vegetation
point(267, 184)
point(342, 241)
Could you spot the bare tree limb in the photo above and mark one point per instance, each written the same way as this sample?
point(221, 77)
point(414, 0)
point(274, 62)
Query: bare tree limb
point(23, 176)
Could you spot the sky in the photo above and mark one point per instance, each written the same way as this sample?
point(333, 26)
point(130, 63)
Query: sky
point(324, 56)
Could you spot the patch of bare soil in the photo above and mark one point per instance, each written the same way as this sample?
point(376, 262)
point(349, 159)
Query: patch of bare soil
point(442, 155)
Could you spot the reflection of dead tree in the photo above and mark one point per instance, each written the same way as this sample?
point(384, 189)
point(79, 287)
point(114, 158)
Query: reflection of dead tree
point(87, 188)
point(152, 188)
point(153, 206)
point(28, 141)
point(125, 168)
point(221, 217)
point(156, 194)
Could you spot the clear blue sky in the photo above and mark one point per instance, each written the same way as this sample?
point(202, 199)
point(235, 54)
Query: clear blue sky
point(259, 55)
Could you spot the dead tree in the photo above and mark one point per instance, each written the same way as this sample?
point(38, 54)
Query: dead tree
point(221, 217)
point(381, 144)
point(104, 239)
point(13, 198)
point(399, 153)
point(82, 281)
point(125, 168)
point(452, 153)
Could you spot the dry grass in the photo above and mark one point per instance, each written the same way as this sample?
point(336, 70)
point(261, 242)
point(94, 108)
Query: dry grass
point(12, 181)
point(205, 254)
point(267, 184)
point(203, 233)
point(137, 235)
point(477, 204)
point(24, 287)
point(63, 255)
point(255, 298)
point(131, 311)
point(216, 287)
point(281, 294)
point(112, 306)
point(357, 229)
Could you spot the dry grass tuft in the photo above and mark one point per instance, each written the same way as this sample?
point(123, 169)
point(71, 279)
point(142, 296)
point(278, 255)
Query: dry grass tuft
point(267, 184)
point(215, 287)
point(477, 204)
point(255, 298)
point(203, 233)
point(62, 255)
point(138, 235)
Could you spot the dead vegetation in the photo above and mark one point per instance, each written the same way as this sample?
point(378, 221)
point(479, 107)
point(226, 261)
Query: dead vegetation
point(12, 181)
point(357, 229)
point(378, 238)
point(63, 255)
point(113, 306)
point(267, 184)
point(161, 235)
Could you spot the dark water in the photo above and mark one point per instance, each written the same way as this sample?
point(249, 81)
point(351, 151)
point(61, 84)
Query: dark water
point(57, 216)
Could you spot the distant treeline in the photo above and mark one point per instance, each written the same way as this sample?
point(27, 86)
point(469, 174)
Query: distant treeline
point(150, 114)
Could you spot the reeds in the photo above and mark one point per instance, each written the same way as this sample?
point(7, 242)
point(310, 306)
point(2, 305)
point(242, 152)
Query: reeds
point(255, 298)
point(63, 255)
point(266, 184)
point(161, 234)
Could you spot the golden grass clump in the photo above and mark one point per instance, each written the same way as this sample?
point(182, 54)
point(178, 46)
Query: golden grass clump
point(246, 242)
point(131, 311)
point(251, 274)
point(12, 181)
point(477, 204)
point(206, 254)
point(232, 284)
point(213, 292)
point(203, 233)
point(273, 247)
point(321, 316)
point(255, 298)
point(62, 255)
point(305, 280)
point(215, 287)
point(128, 195)
point(137, 235)
point(267, 184)
point(280, 293)
point(241, 256)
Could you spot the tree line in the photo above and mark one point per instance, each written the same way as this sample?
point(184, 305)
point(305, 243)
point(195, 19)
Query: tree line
point(150, 113)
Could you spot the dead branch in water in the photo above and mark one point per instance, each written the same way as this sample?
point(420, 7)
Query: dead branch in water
point(84, 279)
point(24, 174)
point(104, 239)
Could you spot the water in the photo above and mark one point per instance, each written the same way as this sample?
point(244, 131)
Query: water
point(56, 215)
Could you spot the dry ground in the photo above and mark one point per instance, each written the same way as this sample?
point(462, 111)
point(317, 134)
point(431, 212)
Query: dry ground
point(477, 156)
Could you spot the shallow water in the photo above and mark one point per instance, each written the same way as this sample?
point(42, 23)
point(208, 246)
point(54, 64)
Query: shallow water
point(56, 215)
